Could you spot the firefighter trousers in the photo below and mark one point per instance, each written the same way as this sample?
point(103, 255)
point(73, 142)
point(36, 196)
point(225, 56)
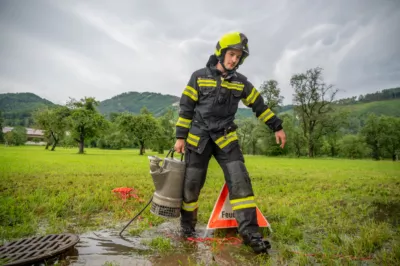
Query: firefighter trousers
point(241, 194)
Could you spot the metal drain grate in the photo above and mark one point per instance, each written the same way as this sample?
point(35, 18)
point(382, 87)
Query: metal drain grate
point(35, 249)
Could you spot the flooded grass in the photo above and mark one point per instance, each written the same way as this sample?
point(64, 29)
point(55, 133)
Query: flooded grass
point(322, 211)
point(387, 212)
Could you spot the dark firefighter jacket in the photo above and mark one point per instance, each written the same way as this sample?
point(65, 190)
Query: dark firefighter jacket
point(208, 106)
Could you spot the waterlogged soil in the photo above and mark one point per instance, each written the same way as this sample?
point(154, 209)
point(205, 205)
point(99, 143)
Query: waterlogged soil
point(387, 212)
point(107, 247)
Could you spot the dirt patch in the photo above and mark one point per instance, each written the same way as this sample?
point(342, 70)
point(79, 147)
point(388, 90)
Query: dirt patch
point(339, 204)
point(387, 212)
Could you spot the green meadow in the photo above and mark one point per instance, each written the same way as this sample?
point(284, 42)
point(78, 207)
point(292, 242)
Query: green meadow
point(328, 211)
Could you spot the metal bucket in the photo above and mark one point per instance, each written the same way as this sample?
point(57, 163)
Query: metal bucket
point(168, 181)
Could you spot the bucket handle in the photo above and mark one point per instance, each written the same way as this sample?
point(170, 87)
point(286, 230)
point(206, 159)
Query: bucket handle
point(171, 151)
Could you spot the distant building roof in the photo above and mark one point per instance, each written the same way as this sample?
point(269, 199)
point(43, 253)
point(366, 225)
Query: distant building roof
point(7, 129)
point(32, 131)
point(29, 131)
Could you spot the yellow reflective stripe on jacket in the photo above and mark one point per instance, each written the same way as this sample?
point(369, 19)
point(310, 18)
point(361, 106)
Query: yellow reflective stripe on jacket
point(206, 83)
point(232, 86)
point(193, 139)
point(192, 93)
point(243, 203)
point(266, 115)
point(189, 206)
point(252, 97)
point(183, 122)
point(223, 141)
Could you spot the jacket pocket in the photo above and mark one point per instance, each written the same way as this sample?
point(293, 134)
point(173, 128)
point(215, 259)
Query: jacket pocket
point(195, 141)
point(236, 95)
point(206, 91)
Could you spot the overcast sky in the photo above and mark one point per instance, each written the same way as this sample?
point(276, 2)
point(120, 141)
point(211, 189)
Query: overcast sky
point(61, 49)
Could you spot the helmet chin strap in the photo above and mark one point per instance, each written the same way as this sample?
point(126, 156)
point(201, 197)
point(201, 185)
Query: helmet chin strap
point(228, 71)
point(223, 66)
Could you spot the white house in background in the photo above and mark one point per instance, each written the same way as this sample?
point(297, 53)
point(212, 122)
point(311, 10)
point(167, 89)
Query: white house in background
point(35, 136)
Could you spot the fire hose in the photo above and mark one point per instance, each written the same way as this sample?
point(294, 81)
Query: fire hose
point(137, 215)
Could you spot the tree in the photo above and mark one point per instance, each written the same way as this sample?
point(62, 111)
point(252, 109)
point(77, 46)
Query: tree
point(254, 137)
point(20, 136)
point(353, 146)
point(295, 140)
point(390, 138)
point(85, 120)
point(382, 134)
point(54, 121)
point(167, 136)
point(353, 125)
point(245, 128)
point(145, 111)
point(9, 138)
point(272, 94)
point(143, 128)
point(113, 116)
point(259, 134)
point(333, 133)
point(313, 103)
point(112, 138)
point(42, 121)
point(373, 135)
point(16, 137)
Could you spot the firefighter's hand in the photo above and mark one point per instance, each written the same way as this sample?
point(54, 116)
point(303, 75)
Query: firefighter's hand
point(280, 138)
point(180, 146)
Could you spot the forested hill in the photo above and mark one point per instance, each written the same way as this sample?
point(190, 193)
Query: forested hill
point(383, 95)
point(11, 102)
point(132, 102)
point(17, 108)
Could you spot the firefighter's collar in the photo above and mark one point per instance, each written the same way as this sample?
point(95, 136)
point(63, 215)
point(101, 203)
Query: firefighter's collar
point(213, 72)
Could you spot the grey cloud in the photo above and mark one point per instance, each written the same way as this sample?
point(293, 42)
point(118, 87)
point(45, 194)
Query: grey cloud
point(102, 48)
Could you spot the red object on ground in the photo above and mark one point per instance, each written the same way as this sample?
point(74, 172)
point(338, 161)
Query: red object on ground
point(216, 243)
point(126, 192)
point(229, 240)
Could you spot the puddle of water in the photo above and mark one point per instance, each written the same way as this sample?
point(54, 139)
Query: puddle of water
point(106, 247)
point(101, 247)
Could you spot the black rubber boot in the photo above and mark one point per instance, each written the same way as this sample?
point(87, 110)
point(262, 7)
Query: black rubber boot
point(188, 223)
point(188, 232)
point(256, 242)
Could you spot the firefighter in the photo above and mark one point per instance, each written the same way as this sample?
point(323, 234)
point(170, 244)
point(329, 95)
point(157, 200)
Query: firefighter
point(206, 128)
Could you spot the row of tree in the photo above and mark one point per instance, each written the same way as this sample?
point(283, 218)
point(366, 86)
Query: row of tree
point(379, 138)
point(79, 122)
point(22, 118)
point(386, 94)
point(317, 127)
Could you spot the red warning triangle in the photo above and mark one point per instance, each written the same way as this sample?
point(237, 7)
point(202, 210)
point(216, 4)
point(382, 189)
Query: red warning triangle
point(222, 215)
